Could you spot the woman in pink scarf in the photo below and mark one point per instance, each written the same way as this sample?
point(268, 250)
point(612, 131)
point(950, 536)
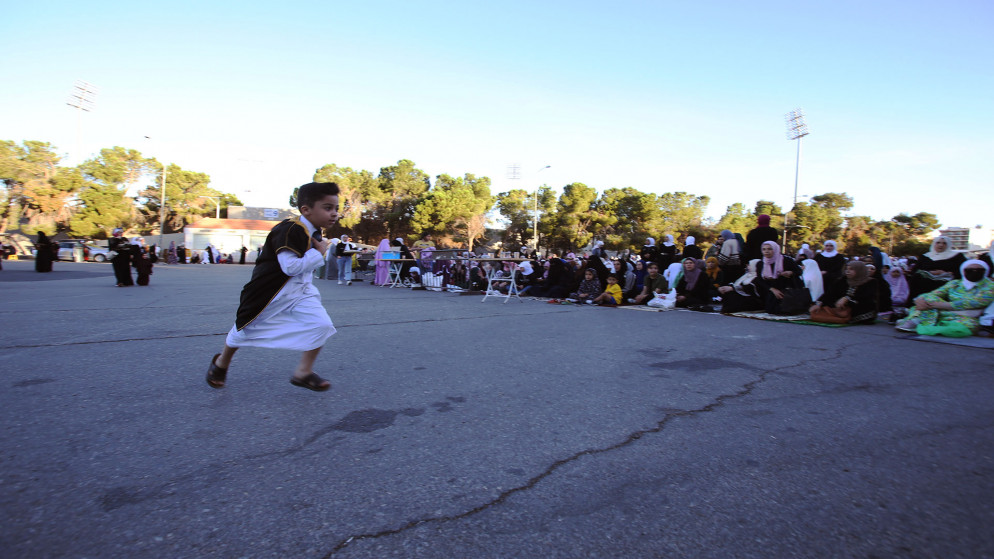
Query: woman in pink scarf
point(777, 274)
point(382, 266)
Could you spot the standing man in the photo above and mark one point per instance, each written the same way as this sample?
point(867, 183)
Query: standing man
point(344, 251)
point(759, 235)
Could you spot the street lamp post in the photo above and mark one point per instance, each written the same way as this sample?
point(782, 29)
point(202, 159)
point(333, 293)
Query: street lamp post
point(162, 201)
point(217, 204)
point(535, 214)
point(796, 129)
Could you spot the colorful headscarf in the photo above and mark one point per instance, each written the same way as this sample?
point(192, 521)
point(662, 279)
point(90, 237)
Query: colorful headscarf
point(773, 266)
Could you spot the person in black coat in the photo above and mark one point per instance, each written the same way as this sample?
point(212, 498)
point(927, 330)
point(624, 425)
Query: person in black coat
point(691, 250)
point(121, 261)
point(762, 233)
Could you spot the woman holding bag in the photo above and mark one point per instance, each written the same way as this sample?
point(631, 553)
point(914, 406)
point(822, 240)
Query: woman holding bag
point(852, 299)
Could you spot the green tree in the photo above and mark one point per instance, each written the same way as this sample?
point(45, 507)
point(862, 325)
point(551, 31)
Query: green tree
point(358, 192)
point(102, 208)
point(736, 219)
point(455, 204)
point(517, 209)
point(401, 187)
point(33, 187)
point(682, 212)
point(574, 216)
point(634, 215)
point(918, 225)
point(185, 198)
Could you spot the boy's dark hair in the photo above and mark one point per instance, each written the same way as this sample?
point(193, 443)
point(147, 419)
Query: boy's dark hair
point(652, 264)
point(310, 193)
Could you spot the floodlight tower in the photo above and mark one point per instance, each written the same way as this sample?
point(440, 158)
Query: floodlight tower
point(796, 129)
point(84, 98)
point(535, 215)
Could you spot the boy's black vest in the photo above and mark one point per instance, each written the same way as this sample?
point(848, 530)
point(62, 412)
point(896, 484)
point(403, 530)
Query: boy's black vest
point(267, 276)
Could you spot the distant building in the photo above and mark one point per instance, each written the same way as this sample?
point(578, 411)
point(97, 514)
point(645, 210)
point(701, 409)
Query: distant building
point(265, 214)
point(228, 235)
point(969, 238)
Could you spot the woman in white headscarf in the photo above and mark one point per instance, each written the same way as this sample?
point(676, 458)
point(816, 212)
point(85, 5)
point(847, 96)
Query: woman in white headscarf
point(958, 302)
point(811, 276)
point(830, 262)
point(649, 252)
point(667, 252)
point(936, 267)
point(691, 250)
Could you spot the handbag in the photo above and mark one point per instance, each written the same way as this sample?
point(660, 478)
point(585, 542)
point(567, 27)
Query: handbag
point(831, 315)
point(796, 300)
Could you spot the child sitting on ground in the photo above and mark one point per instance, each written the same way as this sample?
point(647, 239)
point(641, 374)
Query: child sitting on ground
point(280, 307)
point(611, 295)
point(589, 288)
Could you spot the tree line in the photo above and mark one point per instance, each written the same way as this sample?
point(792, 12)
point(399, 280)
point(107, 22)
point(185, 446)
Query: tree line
point(91, 199)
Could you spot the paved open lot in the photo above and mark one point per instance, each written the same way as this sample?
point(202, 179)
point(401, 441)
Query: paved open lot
point(457, 428)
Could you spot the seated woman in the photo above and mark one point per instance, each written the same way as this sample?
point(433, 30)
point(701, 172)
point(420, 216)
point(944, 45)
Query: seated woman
point(743, 294)
point(624, 273)
point(812, 278)
point(959, 301)
point(715, 277)
point(692, 285)
point(936, 267)
point(854, 294)
point(777, 273)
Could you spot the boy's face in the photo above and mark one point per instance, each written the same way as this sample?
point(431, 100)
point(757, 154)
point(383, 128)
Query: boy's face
point(611, 280)
point(653, 270)
point(324, 212)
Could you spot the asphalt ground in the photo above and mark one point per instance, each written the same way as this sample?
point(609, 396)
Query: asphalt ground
point(461, 428)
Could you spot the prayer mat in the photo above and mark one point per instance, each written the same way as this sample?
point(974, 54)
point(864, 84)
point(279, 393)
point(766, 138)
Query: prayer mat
point(982, 342)
point(774, 317)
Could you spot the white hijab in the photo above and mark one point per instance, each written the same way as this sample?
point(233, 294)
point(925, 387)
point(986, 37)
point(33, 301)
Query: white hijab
point(829, 253)
point(812, 278)
point(944, 255)
point(971, 284)
point(672, 272)
point(690, 241)
point(748, 276)
point(650, 242)
point(668, 241)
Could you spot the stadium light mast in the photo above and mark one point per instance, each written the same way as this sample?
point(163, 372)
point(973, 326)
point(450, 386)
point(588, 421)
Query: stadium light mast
point(535, 215)
point(84, 98)
point(796, 129)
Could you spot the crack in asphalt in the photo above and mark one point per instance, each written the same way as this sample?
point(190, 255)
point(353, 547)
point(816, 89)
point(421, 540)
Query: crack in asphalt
point(718, 402)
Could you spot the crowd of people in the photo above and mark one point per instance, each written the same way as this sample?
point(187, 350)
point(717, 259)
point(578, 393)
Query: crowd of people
point(940, 292)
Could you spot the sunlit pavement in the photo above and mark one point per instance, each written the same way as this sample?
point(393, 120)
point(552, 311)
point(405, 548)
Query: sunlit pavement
point(457, 428)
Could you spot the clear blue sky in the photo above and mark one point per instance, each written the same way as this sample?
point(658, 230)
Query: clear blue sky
point(660, 96)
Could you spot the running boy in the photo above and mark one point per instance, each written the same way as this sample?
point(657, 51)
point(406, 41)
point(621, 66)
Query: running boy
point(280, 307)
